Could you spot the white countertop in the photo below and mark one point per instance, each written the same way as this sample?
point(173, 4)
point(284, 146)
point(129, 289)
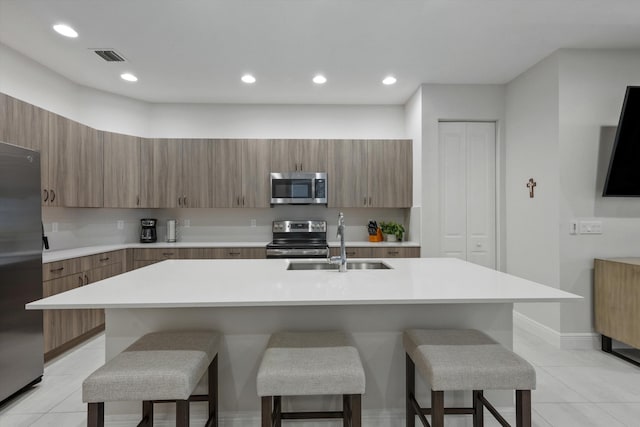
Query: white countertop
point(52, 256)
point(247, 283)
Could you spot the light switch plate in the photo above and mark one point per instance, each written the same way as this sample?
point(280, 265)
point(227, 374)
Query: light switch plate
point(590, 227)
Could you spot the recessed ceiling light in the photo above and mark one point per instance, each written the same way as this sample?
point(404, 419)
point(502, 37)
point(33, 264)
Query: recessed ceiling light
point(248, 78)
point(65, 30)
point(128, 77)
point(389, 80)
point(319, 79)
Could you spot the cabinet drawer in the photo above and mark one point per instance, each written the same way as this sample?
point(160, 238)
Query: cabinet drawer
point(57, 269)
point(102, 259)
point(240, 253)
point(397, 252)
point(353, 252)
point(158, 254)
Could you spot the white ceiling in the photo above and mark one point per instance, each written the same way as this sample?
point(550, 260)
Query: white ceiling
point(196, 50)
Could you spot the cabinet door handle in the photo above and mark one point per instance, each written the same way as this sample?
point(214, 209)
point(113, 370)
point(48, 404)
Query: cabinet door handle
point(138, 201)
point(370, 201)
point(104, 259)
point(393, 252)
point(184, 201)
point(365, 200)
point(301, 167)
point(234, 253)
point(350, 253)
point(179, 201)
point(167, 253)
point(46, 195)
point(56, 270)
point(242, 200)
point(80, 281)
point(86, 279)
point(53, 196)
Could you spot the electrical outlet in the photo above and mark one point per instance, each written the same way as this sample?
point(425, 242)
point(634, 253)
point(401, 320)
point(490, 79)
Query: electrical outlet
point(54, 227)
point(590, 227)
point(187, 223)
point(120, 224)
point(253, 222)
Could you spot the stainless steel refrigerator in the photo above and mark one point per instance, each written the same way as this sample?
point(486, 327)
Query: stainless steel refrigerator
point(21, 342)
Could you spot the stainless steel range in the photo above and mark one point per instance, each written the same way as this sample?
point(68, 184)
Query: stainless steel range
point(298, 239)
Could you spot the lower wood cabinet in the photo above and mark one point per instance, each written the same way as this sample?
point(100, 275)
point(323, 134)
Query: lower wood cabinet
point(382, 252)
point(65, 328)
point(143, 257)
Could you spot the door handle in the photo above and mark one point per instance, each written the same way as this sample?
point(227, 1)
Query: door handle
point(53, 196)
point(365, 200)
point(370, 201)
point(46, 195)
point(80, 281)
point(86, 279)
point(184, 201)
point(242, 200)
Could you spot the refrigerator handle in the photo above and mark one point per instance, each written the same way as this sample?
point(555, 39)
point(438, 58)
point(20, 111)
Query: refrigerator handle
point(45, 239)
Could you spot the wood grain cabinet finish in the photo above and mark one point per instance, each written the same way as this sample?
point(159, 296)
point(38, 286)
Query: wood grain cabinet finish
point(65, 328)
point(197, 173)
point(382, 252)
point(240, 253)
point(27, 126)
point(161, 172)
point(75, 164)
point(299, 155)
point(370, 173)
point(241, 173)
point(121, 170)
point(617, 299)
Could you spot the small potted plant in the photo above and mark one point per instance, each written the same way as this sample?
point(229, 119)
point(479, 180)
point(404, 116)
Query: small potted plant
point(392, 231)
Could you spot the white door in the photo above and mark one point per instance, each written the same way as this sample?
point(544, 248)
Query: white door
point(467, 191)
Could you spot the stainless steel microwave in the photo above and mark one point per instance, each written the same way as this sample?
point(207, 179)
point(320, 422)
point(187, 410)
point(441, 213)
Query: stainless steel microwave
point(298, 188)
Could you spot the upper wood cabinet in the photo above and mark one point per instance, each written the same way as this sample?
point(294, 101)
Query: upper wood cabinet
point(161, 172)
point(370, 173)
point(121, 170)
point(197, 173)
point(75, 172)
point(26, 125)
point(298, 155)
point(241, 173)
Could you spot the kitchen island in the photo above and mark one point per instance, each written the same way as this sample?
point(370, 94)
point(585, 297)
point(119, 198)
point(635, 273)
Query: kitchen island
point(247, 300)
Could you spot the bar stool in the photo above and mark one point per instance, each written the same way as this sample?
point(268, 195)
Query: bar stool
point(467, 359)
point(310, 363)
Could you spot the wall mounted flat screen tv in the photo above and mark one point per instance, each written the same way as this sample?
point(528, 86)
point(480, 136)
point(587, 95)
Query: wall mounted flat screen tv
point(623, 177)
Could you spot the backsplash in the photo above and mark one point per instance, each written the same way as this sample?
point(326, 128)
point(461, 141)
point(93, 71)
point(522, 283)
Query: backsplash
point(78, 227)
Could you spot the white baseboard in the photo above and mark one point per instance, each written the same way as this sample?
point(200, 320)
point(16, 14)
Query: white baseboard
point(566, 341)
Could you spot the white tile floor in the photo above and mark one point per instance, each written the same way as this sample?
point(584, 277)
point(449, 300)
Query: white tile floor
point(579, 388)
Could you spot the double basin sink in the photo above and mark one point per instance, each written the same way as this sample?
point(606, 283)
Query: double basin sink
point(351, 265)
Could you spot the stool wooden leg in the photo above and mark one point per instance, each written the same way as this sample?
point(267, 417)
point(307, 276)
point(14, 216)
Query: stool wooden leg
point(356, 410)
point(147, 414)
point(95, 414)
point(523, 408)
point(346, 410)
point(277, 411)
point(437, 408)
point(267, 408)
point(213, 392)
point(182, 413)
point(478, 409)
point(410, 383)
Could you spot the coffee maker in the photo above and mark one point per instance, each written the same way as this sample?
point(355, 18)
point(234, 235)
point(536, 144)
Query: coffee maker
point(148, 231)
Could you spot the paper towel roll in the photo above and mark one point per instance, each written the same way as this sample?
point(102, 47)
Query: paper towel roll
point(171, 230)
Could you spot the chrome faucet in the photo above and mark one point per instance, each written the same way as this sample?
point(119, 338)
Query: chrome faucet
point(342, 258)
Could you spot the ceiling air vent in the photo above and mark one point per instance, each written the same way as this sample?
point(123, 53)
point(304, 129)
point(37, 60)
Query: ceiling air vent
point(109, 55)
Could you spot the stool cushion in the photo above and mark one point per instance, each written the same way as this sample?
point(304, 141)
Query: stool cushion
point(310, 363)
point(158, 366)
point(466, 359)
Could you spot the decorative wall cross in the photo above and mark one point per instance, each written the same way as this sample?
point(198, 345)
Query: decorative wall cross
point(530, 186)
